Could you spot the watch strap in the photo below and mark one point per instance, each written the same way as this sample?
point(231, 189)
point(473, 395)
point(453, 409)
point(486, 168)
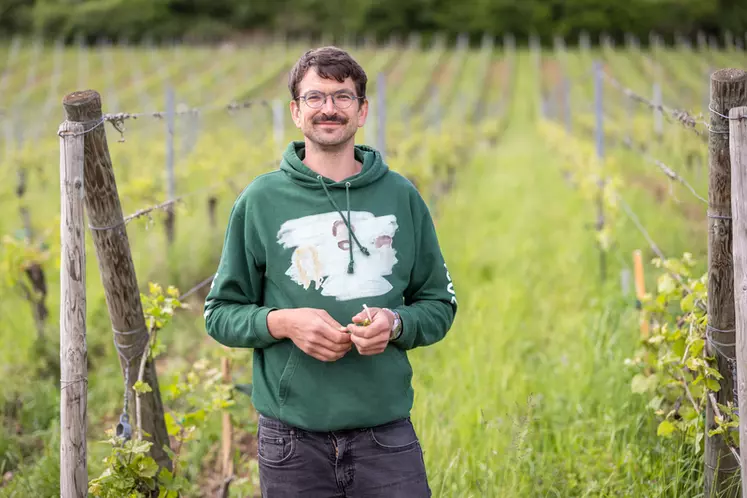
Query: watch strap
point(396, 331)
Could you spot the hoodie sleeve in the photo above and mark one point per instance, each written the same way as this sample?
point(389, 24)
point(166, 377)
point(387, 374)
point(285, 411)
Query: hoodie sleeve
point(430, 303)
point(234, 313)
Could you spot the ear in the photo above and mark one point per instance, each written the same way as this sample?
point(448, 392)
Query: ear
point(362, 113)
point(295, 111)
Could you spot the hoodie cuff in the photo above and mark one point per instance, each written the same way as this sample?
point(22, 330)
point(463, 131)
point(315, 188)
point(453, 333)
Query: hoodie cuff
point(405, 338)
point(261, 330)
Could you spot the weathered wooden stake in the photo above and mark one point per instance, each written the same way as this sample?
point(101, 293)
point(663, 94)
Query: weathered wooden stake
point(567, 112)
point(73, 350)
point(116, 266)
point(227, 432)
point(738, 149)
point(536, 51)
point(369, 130)
point(212, 203)
point(381, 114)
point(702, 42)
point(625, 281)
point(37, 295)
point(658, 115)
point(584, 42)
point(640, 289)
point(170, 177)
point(599, 134)
point(278, 130)
point(728, 90)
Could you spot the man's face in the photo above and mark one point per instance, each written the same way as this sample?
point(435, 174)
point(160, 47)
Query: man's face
point(319, 119)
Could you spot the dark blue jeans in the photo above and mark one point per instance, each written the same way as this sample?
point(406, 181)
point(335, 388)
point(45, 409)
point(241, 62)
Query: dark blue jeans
point(382, 461)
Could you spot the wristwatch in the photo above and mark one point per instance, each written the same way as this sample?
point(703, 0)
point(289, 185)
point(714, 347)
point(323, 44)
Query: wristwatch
point(396, 326)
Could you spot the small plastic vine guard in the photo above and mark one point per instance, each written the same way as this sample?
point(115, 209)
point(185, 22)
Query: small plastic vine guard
point(123, 427)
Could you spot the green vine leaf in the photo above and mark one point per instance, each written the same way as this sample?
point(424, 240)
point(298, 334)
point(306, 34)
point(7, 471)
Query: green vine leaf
point(674, 369)
point(141, 387)
point(665, 429)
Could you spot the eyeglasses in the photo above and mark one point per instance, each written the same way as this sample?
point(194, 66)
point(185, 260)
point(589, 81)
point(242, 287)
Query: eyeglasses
point(316, 99)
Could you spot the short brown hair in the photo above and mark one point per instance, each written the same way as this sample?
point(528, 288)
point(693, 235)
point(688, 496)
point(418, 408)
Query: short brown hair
point(331, 63)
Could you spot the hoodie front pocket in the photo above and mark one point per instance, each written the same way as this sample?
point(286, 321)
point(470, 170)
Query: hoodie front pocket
point(287, 375)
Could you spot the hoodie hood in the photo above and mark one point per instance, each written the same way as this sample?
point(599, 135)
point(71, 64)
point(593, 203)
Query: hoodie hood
point(294, 168)
point(373, 169)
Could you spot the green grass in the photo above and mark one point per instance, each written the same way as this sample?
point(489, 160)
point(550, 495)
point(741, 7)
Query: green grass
point(527, 396)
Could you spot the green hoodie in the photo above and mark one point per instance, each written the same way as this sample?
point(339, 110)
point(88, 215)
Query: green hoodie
point(287, 246)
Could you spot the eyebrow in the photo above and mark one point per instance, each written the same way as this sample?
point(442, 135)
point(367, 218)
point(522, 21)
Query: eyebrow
point(346, 90)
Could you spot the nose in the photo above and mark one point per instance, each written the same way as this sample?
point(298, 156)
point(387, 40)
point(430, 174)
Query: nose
point(328, 106)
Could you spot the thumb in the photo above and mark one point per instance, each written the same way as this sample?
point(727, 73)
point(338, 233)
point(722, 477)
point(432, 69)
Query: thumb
point(366, 314)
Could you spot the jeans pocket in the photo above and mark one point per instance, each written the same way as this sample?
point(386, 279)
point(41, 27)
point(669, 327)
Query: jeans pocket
point(274, 445)
point(394, 436)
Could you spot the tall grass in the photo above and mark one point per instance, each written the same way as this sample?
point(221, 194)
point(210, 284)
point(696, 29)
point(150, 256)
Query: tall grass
point(527, 396)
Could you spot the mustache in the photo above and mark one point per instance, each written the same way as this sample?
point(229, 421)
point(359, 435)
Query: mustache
point(334, 118)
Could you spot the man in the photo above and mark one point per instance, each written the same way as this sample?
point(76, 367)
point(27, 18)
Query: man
point(331, 271)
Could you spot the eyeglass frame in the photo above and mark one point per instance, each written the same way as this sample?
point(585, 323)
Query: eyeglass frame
point(325, 95)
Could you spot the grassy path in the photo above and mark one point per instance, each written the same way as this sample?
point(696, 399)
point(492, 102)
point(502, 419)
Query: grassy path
point(528, 394)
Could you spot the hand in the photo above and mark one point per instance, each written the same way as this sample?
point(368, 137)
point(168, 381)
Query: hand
point(314, 331)
point(373, 338)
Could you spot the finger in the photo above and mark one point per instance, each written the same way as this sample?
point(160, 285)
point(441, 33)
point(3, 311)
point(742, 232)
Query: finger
point(325, 354)
point(369, 331)
point(371, 348)
point(334, 336)
point(371, 351)
point(321, 334)
point(326, 326)
point(364, 343)
point(366, 314)
point(331, 345)
point(329, 320)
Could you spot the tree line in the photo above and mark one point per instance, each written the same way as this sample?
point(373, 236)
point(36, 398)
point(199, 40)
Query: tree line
point(209, 20)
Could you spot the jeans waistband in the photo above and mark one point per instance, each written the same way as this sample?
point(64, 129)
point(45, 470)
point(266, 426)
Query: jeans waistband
point(280, 425)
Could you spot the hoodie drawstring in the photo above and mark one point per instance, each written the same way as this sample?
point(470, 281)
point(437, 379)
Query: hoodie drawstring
point(346, 221)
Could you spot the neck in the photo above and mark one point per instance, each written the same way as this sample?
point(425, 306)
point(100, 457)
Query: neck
point(336, 162)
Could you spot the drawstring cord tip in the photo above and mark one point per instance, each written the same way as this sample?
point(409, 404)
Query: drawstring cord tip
point(364, 250)
point(350, 267)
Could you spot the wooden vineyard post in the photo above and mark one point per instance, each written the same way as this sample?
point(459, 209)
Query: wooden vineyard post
point(599, 139)
point(658, 114)
point(73, 351)
point(170, 180)
point(116, 266)
point(738, 155)
point(212, 203)
point(728, 90)
point(37, 294)
point(640, 289)
point(381, 113)
point(226, 460)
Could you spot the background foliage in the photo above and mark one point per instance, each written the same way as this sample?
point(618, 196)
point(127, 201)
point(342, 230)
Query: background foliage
point(209, 19)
